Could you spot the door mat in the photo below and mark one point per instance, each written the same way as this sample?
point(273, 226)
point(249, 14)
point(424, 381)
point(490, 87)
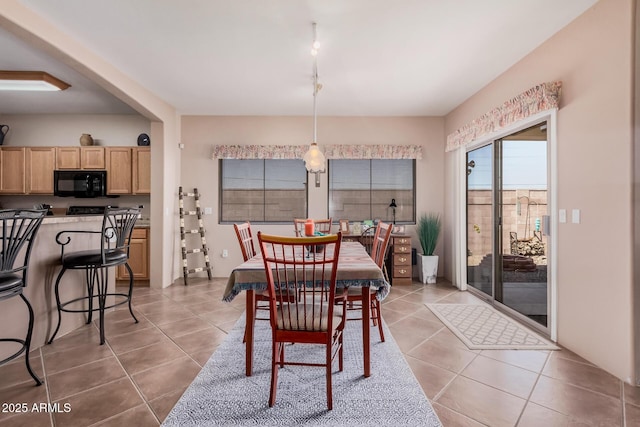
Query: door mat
point(482, 327)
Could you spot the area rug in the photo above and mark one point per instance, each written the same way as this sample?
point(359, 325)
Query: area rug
point(221, 394)
point(482, 327)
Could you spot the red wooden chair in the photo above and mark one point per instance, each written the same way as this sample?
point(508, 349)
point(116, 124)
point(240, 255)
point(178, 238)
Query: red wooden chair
point(245, 239)
point(320, 225)
point(378, 250)
point(293, 264)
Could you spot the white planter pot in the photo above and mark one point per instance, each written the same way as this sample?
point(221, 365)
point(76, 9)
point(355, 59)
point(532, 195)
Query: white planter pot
point(428, 268)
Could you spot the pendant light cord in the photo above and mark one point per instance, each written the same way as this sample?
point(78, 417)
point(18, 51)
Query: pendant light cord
point(316, 88)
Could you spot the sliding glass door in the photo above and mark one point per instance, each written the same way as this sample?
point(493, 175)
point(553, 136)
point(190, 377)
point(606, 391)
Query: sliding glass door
point(507, 239)
point(480, 219)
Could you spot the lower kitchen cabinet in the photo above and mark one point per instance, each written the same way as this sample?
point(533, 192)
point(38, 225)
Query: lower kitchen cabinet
point(138, 256)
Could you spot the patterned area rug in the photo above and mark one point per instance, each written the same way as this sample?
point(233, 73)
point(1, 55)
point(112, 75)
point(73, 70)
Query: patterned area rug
point(482, 327)
point(221, 394)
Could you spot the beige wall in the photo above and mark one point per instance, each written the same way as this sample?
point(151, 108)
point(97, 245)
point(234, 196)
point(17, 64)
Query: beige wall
point(65, 129)
point(592, 57)
point(200, 133)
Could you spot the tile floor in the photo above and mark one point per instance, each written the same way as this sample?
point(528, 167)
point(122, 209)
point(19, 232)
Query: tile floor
point(142, 370)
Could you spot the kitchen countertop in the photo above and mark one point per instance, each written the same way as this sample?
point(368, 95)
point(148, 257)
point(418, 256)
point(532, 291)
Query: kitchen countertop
point(65, 219)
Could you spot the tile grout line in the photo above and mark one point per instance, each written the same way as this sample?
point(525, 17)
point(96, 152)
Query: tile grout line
point(624, 406)
point(46, 384)
point(130, 377)
point(535, 384)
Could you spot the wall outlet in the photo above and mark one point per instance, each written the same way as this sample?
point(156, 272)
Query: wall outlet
point(208, 211)
point(225, 253)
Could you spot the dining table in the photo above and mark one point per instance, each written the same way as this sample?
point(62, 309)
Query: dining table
point(355, 269)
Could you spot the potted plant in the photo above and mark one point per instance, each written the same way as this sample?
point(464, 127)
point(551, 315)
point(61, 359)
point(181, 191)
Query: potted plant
point(428, 230)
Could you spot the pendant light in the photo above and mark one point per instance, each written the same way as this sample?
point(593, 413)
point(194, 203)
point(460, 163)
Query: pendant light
point(314, 159)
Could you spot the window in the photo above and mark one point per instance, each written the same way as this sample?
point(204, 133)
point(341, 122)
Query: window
point(363, 189)
point(262, 190)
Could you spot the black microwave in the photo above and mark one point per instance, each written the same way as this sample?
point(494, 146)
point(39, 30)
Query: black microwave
point(78, 183)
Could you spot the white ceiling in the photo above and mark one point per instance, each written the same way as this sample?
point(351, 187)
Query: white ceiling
point(251, 57)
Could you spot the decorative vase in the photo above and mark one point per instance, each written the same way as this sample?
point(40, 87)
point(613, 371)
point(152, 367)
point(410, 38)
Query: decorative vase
point(428, 268)
point(86, 140)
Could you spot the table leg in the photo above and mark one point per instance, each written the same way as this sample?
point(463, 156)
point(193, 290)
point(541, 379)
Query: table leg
point(250, 314)
point(366, 319)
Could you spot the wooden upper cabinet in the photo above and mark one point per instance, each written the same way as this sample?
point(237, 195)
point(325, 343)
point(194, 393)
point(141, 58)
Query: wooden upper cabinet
point(119, 176)
point(12, 170)
point(92, 158)
point(40, 163)
point(141, 170)
point(29, 170)
point(80, 158)
point(68, 158)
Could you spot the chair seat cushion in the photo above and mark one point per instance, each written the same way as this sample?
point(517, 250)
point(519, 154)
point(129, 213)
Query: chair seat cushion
point(93, 258)
point(299, 320)
point(9, 282)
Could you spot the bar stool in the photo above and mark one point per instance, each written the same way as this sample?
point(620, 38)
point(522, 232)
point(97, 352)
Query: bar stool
point(117, 226)
point(19, 228)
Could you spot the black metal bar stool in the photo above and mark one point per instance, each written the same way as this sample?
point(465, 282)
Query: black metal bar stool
point(19, 229)
point(117, 226)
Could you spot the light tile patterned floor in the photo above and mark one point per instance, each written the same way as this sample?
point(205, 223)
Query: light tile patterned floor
point(142, 370)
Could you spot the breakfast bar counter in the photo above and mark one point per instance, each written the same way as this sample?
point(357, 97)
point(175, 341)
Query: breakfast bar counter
point(43, 268)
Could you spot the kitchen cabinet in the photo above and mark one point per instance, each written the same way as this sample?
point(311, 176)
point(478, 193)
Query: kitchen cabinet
point(92, 158)
point(68, 158)
point(12, 170)
point(138, 256)
point(400, 260)
point(119, 176)
point(141, 170)
point(29, 170)
point(40, 163)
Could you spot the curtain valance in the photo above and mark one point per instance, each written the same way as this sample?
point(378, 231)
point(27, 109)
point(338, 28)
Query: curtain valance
point(539, 98)
point(344, 151)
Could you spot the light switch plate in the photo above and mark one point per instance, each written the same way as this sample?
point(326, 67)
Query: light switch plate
point(562, 215)
point(575, 216)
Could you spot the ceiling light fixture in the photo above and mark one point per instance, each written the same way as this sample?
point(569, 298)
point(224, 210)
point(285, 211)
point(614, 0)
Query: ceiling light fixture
point(314, 159)
point(30, 81)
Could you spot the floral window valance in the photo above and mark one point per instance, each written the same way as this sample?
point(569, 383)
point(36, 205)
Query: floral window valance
point(344, 151)
point(539, 98)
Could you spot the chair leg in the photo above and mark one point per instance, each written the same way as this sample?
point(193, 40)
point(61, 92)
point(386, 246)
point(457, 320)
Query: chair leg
point(91, 276)
point(328, 368)
point(281, 357)
point(126, 264)
point(378, 311)
point(340, 352)
point(103, 282)
point(275, 352)
point(57, 293)
point(27, 341)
